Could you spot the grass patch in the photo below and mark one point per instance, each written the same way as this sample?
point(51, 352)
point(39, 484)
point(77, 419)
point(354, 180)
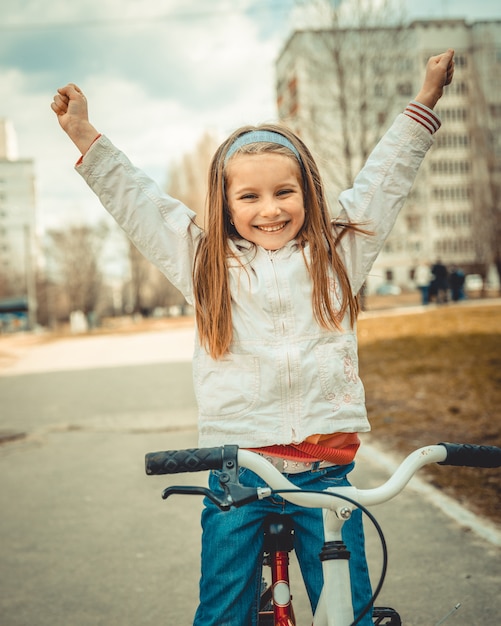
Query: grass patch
point(436, 376)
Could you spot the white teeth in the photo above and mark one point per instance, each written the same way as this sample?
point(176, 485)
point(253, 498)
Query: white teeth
point(271, 229)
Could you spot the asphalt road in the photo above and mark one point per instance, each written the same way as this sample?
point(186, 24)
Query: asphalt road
point(87, 540)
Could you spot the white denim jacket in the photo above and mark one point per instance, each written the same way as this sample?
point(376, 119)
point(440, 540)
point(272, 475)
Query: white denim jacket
point(284, 378)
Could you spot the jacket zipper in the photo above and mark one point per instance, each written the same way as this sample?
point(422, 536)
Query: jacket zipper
point(272, 260)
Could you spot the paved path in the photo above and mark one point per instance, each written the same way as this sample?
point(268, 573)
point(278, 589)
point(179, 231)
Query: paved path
point(86, 538)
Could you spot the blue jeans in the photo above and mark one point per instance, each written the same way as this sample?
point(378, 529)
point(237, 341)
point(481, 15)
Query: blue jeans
point(425, 294)
point(232, 544)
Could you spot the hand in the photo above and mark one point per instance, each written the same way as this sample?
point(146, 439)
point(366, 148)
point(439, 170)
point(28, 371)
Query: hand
point(439, 73)
point(70, 106)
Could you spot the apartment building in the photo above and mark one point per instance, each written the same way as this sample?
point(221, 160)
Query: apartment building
point(17, 218)
point(341, 88)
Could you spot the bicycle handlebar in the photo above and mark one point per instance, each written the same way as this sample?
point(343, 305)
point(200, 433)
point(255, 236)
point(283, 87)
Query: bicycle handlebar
point(470, 455)
point(202, 459)
point(179, 461)
point(228, 458)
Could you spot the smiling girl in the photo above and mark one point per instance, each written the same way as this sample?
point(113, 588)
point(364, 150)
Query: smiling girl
point(274, 282)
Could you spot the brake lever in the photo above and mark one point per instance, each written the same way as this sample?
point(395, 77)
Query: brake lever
point(235, 494)
point(223, 503)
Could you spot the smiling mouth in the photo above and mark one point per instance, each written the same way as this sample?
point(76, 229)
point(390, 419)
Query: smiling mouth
point(272, 228)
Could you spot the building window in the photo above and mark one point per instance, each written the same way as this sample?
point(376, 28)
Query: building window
point(287, 100)
point(454, 194)
point(451, 140)
point(404, 89)
point(459, 88)
point(459, 219)
point(413, 223)
point(454, 115)
point(495, 110)
point(450, 167)
point(404, 64)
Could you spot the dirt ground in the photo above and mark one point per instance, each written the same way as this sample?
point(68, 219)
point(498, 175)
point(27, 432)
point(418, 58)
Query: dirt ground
point(435, 376)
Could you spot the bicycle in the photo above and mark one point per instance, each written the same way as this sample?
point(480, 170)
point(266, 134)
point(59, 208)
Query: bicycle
point(335, 606)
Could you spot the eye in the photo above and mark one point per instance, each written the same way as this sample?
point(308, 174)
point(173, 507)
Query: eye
point(248, 196)
point(285, 192)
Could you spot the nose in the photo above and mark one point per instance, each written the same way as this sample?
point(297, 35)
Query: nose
point(270, 208)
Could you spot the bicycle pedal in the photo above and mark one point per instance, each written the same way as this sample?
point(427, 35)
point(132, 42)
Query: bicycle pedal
point(385, 616)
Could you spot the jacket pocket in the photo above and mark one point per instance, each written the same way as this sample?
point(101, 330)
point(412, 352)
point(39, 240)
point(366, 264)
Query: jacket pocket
point(229, 386)
point(338, 372)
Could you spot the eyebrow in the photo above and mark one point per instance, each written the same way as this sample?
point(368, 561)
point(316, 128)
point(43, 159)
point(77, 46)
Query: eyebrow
point(247, 187)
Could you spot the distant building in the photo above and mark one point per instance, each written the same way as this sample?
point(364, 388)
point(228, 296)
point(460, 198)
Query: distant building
point(340, 90)
point(17, 218)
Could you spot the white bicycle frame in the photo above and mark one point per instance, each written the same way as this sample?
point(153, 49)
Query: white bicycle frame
point(335, 606)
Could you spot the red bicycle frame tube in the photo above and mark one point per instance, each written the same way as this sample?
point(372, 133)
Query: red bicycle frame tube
point(282, 607)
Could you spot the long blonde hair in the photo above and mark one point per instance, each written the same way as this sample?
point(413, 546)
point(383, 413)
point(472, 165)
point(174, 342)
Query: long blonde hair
point(210, 272)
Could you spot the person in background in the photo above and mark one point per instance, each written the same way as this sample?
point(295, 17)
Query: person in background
point(456, 283)
point(422, 278)
point(440, 283)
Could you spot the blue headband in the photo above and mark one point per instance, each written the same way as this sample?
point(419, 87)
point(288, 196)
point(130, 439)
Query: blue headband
point(261, 136)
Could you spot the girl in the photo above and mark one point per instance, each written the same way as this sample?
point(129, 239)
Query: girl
point(274, 284)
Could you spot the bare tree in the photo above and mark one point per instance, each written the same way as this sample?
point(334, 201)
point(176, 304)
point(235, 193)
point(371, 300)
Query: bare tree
point(349, 64)
point(163, 292)
point(75, 261)
point(10, 284)
point(148, 288)
point(485, 115)
point(188, 178)
point(139, 272)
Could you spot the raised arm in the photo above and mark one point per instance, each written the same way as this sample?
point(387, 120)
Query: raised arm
point(161, 227)
point(439, 73)
point(70, 106)
point(380, 190)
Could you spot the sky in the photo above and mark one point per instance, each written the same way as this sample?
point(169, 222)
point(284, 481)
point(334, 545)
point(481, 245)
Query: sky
point(157, 74)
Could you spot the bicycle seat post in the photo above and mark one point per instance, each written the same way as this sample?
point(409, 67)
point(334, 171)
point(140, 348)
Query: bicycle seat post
point(278, 542)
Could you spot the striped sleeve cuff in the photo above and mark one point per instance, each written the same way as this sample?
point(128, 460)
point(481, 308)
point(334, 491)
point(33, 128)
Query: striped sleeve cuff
point(423, 115)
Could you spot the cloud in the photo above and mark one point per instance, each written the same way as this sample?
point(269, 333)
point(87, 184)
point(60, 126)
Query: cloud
point(157, 76)
point(189, 53)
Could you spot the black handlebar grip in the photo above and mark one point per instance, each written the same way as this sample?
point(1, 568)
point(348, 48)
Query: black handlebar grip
point(178, 461)
point(471, 455)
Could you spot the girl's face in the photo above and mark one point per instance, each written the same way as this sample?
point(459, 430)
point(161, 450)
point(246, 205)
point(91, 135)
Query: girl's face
point(265, 198)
